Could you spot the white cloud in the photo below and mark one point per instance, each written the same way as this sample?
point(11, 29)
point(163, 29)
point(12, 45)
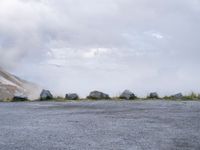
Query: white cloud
point(90, 41)
point(94, 52)
point(157, 35)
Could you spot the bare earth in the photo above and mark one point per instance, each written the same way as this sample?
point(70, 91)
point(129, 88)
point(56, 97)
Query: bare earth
point(100, 125)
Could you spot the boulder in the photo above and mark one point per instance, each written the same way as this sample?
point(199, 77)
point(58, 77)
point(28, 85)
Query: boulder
point(46, 95)
point(177, 96)
point(153, 95)
point(19, 98)
point(98, 95)
point(71, 96)
point(127, 95)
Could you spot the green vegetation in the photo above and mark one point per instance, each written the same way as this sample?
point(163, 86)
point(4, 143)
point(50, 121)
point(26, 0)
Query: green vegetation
point(168, 97)
point(192, 96)
point(62, 99)
point(57, 99)
point(18, 100)
point(152, 97)
point(5, 100)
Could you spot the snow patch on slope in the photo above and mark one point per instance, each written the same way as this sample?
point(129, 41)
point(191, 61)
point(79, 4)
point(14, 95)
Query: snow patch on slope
point(11, 85)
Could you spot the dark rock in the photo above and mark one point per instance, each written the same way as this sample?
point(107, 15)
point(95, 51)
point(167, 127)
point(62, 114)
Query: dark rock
point(71, 96)
point(46, 95)
point(98, 95)
point(19, 98)
point(127, 95)
point(177, 96)
point(153, 95)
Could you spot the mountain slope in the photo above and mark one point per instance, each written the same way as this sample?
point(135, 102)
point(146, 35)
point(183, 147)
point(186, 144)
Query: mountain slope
point(11, 85)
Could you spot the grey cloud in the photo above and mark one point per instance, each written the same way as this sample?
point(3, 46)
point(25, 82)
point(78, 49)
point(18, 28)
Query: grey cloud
point(149, 42)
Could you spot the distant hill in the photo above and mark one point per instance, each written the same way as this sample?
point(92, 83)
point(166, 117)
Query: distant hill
point(11, 85)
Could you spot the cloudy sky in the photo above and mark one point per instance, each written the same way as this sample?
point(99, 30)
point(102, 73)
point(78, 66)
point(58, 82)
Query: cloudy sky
point(108, 45)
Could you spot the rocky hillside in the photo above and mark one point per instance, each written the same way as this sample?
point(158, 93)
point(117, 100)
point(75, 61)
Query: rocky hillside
point(11, 85)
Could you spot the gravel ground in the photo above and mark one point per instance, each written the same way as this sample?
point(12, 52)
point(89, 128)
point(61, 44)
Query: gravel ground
point(100, 125)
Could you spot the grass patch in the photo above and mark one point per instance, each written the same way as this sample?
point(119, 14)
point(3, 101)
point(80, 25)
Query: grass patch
point(192, 96)
point(57, 99)
point(6, 100)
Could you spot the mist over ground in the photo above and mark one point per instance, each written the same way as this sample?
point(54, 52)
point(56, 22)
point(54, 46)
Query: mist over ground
point(108, 45)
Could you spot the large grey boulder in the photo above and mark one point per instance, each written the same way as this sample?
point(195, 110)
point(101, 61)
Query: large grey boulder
point(46, 95)
point(177, 96)
point(128, 95)
point(153, 95)
point(98, 95)
point(71, 96)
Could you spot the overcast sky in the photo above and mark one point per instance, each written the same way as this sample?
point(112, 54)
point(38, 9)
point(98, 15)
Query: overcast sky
point(107, 45)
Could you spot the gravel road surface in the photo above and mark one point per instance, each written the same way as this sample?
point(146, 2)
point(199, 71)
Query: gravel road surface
point(100, 125)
